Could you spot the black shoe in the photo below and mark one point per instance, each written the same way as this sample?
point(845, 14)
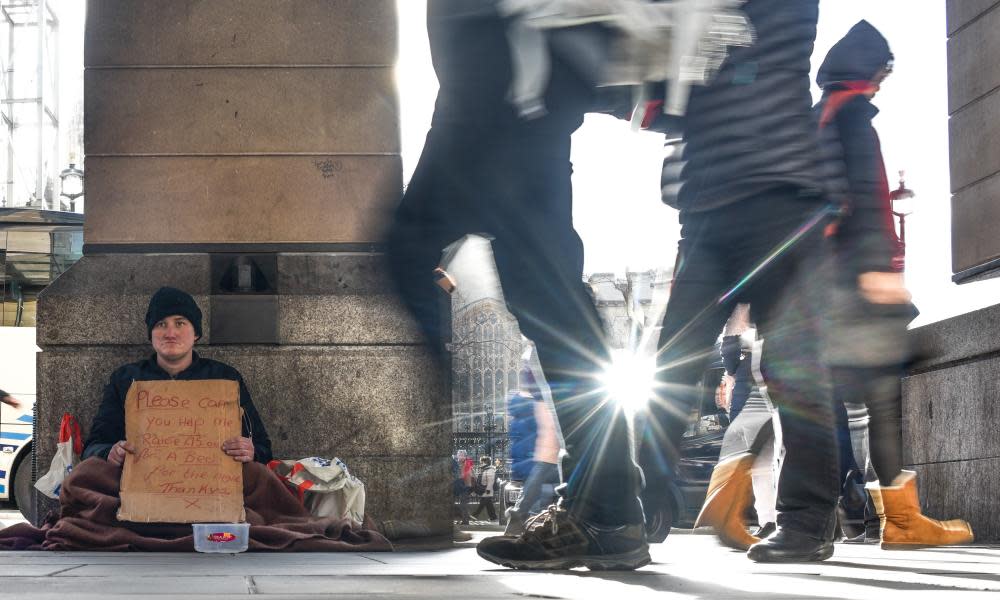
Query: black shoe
point(554, 539)
point(871, 535)
point(765, 530)
point(788, 546)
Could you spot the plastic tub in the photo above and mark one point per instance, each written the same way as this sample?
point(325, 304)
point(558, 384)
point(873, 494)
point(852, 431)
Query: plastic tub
point(221, 537)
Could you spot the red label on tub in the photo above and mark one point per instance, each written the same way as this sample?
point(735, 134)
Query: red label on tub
point(222, 536)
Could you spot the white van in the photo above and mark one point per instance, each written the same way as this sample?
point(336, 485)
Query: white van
point(36, 246)
point(17, 378)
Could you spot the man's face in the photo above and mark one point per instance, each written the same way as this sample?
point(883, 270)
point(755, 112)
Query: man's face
point(173, 338)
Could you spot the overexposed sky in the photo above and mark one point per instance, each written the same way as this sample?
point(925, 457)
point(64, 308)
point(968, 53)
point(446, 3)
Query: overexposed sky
point(617, 208)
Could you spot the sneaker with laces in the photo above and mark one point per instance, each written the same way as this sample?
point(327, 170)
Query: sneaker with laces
point(554, 539)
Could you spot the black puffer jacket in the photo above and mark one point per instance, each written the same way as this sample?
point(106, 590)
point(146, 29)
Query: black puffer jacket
point(751, 129)
point(472, 60)
point(852, 159)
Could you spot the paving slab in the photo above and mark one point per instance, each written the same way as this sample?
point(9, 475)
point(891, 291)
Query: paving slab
point(686, 566)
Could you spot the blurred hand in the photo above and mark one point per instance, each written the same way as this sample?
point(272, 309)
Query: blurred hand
point(118, 452)
point(724, 393)
point(11, 401)
point(240, 448)
point(883, 288)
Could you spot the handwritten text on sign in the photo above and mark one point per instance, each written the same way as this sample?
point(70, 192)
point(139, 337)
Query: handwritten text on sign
point(179, 473)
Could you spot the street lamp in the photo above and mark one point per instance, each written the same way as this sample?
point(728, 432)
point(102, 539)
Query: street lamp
point(902, 205)
point(489, 425)
point(71, 183)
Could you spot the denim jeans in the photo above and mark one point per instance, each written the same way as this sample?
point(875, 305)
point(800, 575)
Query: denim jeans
point(541, 474)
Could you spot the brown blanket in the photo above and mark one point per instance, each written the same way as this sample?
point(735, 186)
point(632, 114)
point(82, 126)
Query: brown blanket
point(89, 504)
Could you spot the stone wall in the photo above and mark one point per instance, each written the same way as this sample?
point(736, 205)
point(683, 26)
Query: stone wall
point(952, 397)
point(974, 129)
point(221, 131)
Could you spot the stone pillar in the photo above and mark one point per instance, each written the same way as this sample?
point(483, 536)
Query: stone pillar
point(952, 400)
point(247, 151)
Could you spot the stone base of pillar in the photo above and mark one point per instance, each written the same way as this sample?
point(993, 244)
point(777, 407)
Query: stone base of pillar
point(950, 416)
point(346, 376)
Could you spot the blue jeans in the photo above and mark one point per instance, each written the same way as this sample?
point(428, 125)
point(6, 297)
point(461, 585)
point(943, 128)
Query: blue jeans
point(541, 474)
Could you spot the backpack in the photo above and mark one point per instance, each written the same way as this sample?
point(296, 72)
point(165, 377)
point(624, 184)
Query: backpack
point(479, 487)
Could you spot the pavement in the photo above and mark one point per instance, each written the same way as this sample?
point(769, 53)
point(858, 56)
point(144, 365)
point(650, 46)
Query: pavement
point(687, 565)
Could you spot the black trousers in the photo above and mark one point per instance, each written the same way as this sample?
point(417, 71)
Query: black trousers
point(486, 502)
point(512, 182)
point(723, 260)
point(879, 389)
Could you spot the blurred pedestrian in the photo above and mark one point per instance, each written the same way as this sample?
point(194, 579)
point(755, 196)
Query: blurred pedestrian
point(487, 169)
point(484, 488)
point(751, 452)
point(9, 400)
point(752, 211)
point(545, 450)
point(460, 486)
point(867, 347)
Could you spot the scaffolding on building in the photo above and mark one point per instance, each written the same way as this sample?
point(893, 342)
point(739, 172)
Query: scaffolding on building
point(30, 104)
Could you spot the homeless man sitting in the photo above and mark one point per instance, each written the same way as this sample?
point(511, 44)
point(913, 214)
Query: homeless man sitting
point(89, 497)
point(173, 322)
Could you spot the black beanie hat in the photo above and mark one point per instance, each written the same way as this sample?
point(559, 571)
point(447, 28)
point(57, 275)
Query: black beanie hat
point(167, 302)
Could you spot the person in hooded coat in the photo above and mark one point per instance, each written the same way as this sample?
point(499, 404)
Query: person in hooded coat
point(866, 347)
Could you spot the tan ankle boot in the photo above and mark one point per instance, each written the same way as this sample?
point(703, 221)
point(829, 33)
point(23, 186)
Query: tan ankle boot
point(729, 495)
point(903, 526)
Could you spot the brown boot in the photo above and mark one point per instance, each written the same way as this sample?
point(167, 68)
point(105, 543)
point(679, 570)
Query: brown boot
point(903, 526)
point(729, 495)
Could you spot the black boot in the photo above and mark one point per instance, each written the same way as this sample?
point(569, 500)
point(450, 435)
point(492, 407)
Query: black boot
point(554, 539)
point(765, 530)
point(790, 546)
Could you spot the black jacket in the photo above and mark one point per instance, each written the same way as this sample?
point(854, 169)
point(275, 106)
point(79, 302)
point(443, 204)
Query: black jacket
point(109, 424)
point(852, 159)
point(472, 60)
point(751, 129)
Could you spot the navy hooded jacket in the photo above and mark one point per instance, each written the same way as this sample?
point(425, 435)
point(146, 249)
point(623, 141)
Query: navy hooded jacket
point(852, 158)
point(750, 130)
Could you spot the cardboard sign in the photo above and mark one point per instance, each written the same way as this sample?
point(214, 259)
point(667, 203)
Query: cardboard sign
point(179, 473)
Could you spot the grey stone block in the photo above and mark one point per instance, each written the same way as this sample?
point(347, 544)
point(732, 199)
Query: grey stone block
point(72, 380)
point(973, 68)
point(974, 214)
point(961, 12)
point(344, 319)
point(103, 299)
point(403, 489)
point(957, 338)
point(346, 400)
point(333, 274)
point(974, 140)
point(240, 32)
point(963, 490)
point(951, 414)
point(340, 298)
point(227, 111)
point(241, 199)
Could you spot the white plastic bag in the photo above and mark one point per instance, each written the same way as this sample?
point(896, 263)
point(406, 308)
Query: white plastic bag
point(67, 456)
point(326, 487)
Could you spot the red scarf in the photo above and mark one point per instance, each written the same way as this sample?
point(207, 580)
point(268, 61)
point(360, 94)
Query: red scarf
point(840, 97)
